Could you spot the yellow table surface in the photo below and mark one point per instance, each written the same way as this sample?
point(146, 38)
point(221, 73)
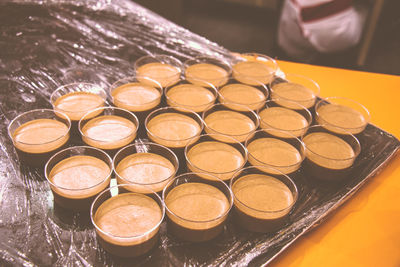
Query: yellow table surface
point(365, 231)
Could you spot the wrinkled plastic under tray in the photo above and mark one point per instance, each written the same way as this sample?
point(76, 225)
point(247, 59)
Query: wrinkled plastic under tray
point(44, 45)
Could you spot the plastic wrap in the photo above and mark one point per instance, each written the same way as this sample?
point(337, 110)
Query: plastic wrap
point(44, 44)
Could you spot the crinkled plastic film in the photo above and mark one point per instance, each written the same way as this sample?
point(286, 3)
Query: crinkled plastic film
point(44, 44)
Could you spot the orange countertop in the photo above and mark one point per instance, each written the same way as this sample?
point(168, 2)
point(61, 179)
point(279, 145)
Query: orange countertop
point(365, 231)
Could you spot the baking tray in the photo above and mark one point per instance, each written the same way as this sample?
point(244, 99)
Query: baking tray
point(44, 44)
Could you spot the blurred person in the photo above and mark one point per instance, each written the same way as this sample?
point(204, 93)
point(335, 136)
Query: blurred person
point(308, 28)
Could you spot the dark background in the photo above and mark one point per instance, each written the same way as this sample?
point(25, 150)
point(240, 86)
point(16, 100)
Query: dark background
point(247, 27)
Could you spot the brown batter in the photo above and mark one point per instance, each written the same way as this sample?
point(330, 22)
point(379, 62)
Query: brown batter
point(242, 94)
point(136, 97)
point(262, 196)
point(274, 153)
point(145, 168)
point(199, 206)
point(77, 104)
point(328, 151)
point(109, 132)
point(210, 73)
point(40, 135)
point(283, 119)
point(293, 92)
point(249, 72)
point(230, 123)
point(217, 158)
point(163, 73)
point(344, 117)
point(190, 96)
point(173, 129)
point(79, 177)
point(128, 219)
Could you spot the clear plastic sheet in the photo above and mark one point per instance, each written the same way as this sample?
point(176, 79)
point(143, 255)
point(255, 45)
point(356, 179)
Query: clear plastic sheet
point(44, 44)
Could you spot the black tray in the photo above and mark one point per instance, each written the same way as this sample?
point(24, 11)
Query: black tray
point(45, 45)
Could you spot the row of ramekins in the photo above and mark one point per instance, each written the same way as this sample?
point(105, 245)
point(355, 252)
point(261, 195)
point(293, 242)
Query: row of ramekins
point(196, 229)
